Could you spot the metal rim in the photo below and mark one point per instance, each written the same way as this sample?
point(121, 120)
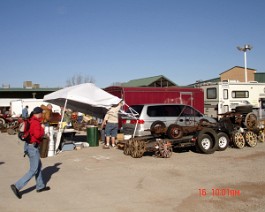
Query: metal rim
point(206, 143)
point(223, 142)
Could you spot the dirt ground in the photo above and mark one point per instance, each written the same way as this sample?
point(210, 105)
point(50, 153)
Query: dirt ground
point(96, 179)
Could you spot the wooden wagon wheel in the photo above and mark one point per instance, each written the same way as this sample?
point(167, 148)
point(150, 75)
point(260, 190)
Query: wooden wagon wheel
point(251, 138)
point(251, 121)
point(137, 148)
point(164, 149)
point(127, 147)
point(239, 140)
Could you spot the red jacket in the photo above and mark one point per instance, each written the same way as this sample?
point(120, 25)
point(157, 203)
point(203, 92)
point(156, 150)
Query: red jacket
point(35, 130)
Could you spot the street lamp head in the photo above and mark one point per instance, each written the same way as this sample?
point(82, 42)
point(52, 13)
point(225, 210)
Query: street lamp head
point(239, 48)
point(245, 48)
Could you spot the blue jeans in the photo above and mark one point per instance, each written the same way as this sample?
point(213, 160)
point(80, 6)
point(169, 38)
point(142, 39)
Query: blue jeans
point(35, 168)
point(111, 129)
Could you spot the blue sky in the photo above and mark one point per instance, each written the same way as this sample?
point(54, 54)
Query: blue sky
point(50, 41)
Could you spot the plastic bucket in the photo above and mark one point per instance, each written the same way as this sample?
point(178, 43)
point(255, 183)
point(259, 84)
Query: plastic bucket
point(92, 135)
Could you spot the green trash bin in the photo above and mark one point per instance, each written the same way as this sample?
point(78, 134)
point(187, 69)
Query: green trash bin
point(92, 135)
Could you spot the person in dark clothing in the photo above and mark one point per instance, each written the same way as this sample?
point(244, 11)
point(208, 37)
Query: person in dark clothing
point(36, 131)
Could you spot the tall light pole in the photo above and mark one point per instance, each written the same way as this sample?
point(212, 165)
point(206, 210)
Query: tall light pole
point(244, 49)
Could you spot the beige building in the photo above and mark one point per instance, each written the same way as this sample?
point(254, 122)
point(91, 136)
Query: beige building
point(238, 73)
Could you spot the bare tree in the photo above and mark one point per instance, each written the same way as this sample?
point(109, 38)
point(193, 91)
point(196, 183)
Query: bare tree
point(79, 79)
point(116, 83)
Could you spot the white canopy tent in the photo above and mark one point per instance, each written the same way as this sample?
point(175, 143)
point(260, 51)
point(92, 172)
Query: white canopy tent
point(85, 98)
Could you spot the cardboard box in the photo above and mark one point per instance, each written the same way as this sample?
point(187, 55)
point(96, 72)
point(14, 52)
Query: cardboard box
point(120, 136)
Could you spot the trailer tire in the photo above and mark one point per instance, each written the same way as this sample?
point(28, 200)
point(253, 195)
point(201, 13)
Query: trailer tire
point(157, 128)
point(2, 121)
point(174, 131)
point(207, 141)
point(223, 141)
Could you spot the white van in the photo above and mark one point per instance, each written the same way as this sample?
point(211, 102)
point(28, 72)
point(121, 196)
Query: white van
point(150, 115)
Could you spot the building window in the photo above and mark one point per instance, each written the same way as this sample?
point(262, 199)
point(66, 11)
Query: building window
point(211, 93)
point(240, 94)
point(225, 94)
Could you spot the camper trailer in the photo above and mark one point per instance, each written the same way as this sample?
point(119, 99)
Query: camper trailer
point(225, 96)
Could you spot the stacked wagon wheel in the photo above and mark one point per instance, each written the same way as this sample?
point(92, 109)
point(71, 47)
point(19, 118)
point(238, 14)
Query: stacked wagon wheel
point(164, 149)
point(137, 148)
point(251, 138)
point(251, 121)
point(239, 140)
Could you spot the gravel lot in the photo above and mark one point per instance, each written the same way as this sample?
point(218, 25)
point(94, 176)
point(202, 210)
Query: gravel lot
point(96, 179)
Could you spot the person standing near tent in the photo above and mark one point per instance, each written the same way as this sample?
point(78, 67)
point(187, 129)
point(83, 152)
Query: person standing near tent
point(110, 122)
point(25, 112)
point(36, 131)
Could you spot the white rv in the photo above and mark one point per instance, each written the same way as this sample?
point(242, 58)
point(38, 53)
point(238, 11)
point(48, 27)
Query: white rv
point(223, 97)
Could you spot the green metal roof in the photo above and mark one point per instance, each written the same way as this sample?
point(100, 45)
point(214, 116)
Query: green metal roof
point(156, 81)
point(28, 89)
point(260, 77)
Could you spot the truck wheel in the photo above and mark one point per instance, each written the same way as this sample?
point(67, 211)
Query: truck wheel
point(251, 138)
point(174, 131)
point(223, 141)
point(157, 128)
point(239, 140)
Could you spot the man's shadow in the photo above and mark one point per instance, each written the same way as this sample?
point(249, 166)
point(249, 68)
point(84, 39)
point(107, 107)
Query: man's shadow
point(46, 176)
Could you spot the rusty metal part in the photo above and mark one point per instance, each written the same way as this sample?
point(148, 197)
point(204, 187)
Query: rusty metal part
point(163, 149)
point(251, 138)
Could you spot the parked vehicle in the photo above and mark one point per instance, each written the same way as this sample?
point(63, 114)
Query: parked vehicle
point(163, 116)
point(159, 95)
point(224, 97)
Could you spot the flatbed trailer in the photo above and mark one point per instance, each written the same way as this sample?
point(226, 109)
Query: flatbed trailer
point(205, 141)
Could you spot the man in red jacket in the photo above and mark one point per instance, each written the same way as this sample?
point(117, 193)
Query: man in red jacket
point(31, 150)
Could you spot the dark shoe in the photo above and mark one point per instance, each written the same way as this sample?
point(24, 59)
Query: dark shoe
point(16, 191)
point(46, 188)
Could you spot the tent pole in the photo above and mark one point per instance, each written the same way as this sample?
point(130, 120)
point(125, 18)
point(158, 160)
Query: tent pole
point(60, 126)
